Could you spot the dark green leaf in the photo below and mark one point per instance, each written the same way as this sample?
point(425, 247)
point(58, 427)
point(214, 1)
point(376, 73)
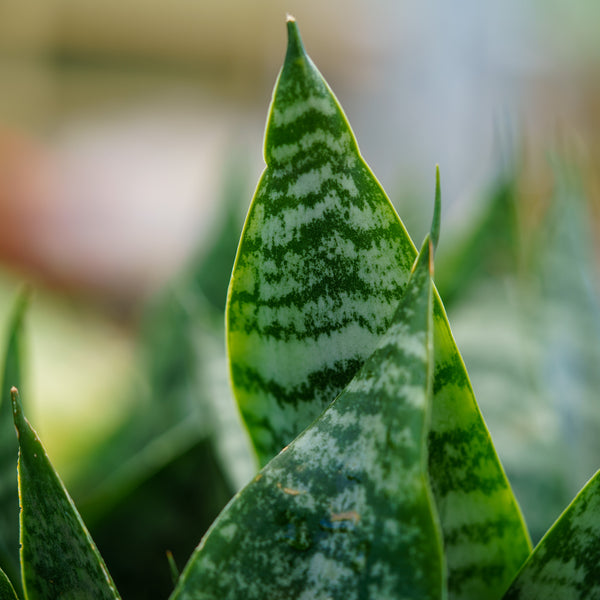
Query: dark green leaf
point(7, 591)
point(566, 562)
point(59, 558)
point(345, 511)
point(9, 448)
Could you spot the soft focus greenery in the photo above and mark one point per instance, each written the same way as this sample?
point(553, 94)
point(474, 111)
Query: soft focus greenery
point(519, 286)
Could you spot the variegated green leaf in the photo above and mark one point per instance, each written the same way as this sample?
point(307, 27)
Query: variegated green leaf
point(320, 267)
point(9, 448)
point(322, 261)
point(7, 591)
point(565, 565)
point(58, 557)
point(345, 512)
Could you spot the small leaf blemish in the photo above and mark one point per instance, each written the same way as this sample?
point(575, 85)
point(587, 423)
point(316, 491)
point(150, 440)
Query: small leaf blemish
point(349, 515)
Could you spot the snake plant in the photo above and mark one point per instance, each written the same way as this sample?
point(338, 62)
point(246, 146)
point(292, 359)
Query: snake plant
point(379, 478)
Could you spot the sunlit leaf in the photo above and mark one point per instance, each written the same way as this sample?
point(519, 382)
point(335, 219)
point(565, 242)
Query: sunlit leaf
point(321, 265)
point(9, 448)
point(345, 511)
point(566, 562)
point(59, 558)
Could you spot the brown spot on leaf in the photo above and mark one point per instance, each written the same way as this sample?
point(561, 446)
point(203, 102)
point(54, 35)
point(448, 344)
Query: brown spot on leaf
point(349, 515)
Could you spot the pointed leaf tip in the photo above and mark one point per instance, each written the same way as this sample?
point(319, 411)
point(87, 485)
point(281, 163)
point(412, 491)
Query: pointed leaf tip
point(295, 47)
point(437, 211)
point(17, 408)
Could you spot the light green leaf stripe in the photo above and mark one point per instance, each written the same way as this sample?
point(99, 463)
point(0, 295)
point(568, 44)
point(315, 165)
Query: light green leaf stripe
point(565, 565)
point(320, 267)
point(7, 591)
point(344, 512)
point(58, 557)
point(321, 264)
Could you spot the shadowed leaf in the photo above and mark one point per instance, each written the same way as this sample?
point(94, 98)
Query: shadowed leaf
point(9, 448)
point(566, 562)
point(7, 591)
point(59, 558)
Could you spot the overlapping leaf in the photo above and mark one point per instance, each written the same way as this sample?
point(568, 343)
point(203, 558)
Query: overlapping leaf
point(320, 267)
point(345, 511)
point(566, 562)
point(58, 557)
point(321, 264)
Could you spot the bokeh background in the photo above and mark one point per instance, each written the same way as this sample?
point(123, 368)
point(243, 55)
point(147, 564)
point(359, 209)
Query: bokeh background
point(130, 145)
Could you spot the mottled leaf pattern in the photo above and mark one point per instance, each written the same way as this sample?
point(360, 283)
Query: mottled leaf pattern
point(345, 512)
point(565, 565)
point(320, 267)
point(59, 559)
point(321, 263)
point(7, 591)
point(9, 448)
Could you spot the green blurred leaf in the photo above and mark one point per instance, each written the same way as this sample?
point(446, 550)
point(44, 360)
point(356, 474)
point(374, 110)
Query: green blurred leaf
point(566, 563)
point(9, 448)
point(488, 248)
point(321, 265)
point(210, 271)
point(7, 591)
point(531, 340)
point(347, 506)
point(182, 452)
point(58, 557)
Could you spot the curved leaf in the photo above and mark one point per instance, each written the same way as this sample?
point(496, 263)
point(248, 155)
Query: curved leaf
point(322, 261)
point(566, 562)
point(9, 448)
point(345, 511)
point(7, 591)
point(58, 557)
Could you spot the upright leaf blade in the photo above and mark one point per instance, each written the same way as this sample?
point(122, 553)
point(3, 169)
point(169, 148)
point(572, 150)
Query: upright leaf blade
point(9, 448)
point(58, 557)
point(485, 538)
point(566, 562)
point(345, 511)
point(320, 267)
point(322, 258)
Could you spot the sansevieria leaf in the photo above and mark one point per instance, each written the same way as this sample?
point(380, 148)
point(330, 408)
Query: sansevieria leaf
point(58, 557)
point(344, 512)
point(565, 565)
point(7, 591)
point(320, 267)
point(9, 448)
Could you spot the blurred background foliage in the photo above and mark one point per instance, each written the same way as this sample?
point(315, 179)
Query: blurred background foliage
point(130, 144)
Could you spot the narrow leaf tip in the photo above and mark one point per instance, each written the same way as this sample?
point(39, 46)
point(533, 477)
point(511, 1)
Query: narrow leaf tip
point(295, 47)
point(437, 211)
point(17, 408)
